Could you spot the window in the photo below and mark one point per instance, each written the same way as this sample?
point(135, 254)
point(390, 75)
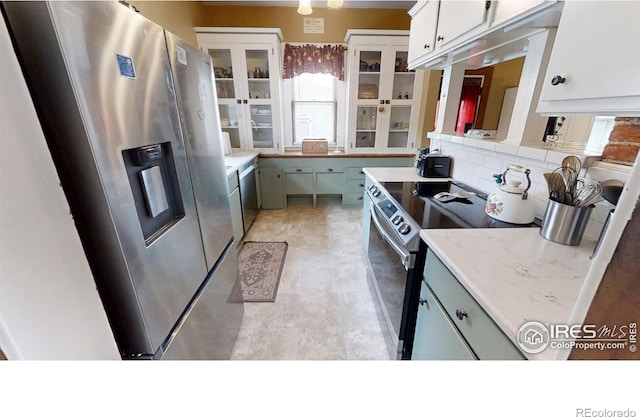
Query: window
point(313, 107)
point(599, 136)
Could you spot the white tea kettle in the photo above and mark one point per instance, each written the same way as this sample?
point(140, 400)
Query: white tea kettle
point(510, 202)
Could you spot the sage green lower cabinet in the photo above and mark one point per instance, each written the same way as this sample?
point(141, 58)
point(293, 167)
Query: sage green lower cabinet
point(272, 187)
point(256, 162)
point(469, 320)
point(438, 337)
point(236, 208)
point(354, 191)
point(339, 178)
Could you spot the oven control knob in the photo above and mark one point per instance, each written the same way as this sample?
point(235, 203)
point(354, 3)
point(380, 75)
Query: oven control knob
point(404, 229)
point(376, 193)
point(397, 220)
point(373, 188)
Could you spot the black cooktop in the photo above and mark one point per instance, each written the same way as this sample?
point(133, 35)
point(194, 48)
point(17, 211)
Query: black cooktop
point(416, 199)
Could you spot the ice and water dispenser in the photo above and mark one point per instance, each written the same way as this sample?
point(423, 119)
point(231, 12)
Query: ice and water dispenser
point(154, 184)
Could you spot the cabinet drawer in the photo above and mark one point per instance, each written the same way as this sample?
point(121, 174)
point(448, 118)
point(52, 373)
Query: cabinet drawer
point(480, 331)
point(233, 180)
point(298, 170)
point(355, 186)
point(353, 198)
point(355, 172)
point(330, 169)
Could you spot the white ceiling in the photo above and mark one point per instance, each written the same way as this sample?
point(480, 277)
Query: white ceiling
point(364, 4)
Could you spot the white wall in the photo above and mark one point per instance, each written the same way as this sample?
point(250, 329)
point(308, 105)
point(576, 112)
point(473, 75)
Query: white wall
point(49, 306)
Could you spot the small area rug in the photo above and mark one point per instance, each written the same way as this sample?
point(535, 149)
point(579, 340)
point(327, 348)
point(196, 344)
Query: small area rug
point(260, 265)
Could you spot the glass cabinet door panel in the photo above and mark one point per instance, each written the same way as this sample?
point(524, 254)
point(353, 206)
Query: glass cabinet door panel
point(262, 137)
point(403, 85)
point(367, 118)
point(366, 126)
point(258, 73)
point(369, 75)
point(261, 115)
point(229, 123)
point(401, 61)
point(398, 139)
point(403, 79)
point(259, 88)
point(399, 126)
point(223, 72)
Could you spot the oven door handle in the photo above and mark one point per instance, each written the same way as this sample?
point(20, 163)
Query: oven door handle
point(405, 256)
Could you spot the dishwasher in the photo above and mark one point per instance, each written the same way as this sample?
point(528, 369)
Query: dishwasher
point(248, 194)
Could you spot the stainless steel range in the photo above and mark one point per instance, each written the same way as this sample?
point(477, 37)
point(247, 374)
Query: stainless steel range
point(396, 255)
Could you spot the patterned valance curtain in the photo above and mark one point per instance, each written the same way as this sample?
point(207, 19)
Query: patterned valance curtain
point(327, 59)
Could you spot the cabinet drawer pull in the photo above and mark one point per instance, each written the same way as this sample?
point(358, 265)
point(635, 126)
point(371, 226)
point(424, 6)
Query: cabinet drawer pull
point(461, 314)
point(440, 38)
point(299, 170)
point(361, 185)
point(329, 169)
point(361, 172)
point(427, 46)
point(558, 79)
point(423, 302)
point(361, 198)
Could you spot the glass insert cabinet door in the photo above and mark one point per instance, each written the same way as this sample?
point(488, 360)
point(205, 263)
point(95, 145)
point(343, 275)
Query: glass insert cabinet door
point(259, 93)
point(246, 66)
point(244, 84)
point(384, 97)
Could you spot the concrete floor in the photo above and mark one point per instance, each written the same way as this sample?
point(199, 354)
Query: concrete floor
point(323, 309)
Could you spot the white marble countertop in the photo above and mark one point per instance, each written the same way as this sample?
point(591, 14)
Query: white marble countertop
point(235, 160)
point(515, 275)
point(399, 174)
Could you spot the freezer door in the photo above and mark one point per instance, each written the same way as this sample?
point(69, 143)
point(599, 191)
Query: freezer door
point(197, 103)
point(101, 78)
point(210, 329)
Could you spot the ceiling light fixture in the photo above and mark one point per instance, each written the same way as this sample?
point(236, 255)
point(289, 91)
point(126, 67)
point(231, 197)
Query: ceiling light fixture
point(304, 7)
point(334, 4)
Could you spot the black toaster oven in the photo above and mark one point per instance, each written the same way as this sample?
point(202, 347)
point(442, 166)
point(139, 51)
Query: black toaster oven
point(434, 166)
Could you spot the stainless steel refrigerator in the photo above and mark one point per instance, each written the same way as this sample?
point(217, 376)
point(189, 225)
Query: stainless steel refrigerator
point(142, 168)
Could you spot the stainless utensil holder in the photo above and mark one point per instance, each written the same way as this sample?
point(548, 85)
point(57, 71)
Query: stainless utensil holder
point(565, 224)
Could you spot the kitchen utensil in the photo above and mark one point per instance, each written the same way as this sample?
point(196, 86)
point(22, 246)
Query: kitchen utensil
point(572, 162)
point(611, 193)
point(558, 189)
point(588, 192)
point(570, 177)
point(510, 202)
point(459, 194)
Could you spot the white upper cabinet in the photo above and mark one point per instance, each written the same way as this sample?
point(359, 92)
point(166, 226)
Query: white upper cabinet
point(455, 18)
point(595, 62)
point(506, 10)
point(246, 65)
point(447, 32)
point(437, 25)
point(383, 95)
point(422, 35)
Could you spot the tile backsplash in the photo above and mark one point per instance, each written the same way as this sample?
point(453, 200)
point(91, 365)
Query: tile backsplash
point(475, 161)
